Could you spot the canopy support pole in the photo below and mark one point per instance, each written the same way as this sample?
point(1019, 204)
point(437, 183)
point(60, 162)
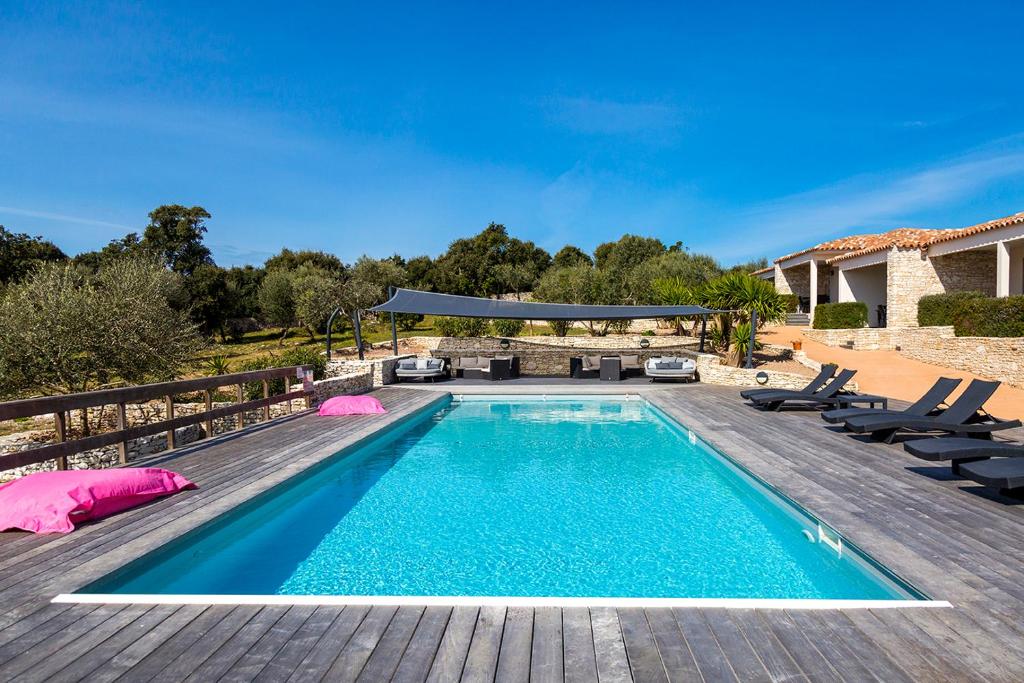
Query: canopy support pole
point(330, 326)
point(359, 334)
point(703, 331)
point(394, 329)
point(753, 336)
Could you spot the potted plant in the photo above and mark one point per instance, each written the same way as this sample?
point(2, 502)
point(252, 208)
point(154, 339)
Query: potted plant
point(798, 344)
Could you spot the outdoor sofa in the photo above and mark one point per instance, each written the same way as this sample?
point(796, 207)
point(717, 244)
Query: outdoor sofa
point(670, 367)
point(482, 367)
point(628, 363)
point(422, 369)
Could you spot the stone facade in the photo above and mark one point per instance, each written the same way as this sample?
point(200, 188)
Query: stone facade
point(796, 280)
point(862, 339)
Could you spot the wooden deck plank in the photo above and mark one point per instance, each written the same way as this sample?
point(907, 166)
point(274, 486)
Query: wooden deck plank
point(673, 648)
point(516, 646)
point(579, 655)
point(450, 658)
point(641, 649)
point(322, 655)
point(954, 545)
point(482, 658)
point(546, 659)
point(284, 662)
point(609, 648)
point(711, 661)
point(357, 651)
point(386, 655)
point(419, 653)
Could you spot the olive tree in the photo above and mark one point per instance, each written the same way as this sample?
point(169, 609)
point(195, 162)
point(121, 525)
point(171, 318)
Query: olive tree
point(62, 331)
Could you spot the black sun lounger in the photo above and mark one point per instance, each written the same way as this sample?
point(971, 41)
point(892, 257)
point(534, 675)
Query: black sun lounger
point(931, 400)
point(817, 383)
point(1006, 474)
point(963, 417)
point(961, 450)
point(827, 396)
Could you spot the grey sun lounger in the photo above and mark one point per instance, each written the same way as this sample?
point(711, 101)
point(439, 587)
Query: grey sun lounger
point(963, 417)
point(961, 450)
point(826, 396)
point(925, 405)
point(1006, 474)
point(826, 373)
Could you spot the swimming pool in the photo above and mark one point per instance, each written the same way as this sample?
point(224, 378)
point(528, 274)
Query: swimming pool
point(568, 497)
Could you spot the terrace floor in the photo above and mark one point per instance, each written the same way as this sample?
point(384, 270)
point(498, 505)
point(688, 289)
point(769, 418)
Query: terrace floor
point(945, 536)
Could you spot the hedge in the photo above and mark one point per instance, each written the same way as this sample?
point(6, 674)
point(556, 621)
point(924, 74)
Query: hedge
point(940, 309)
point(985, 317)
point(841, 316)
point(504, 327)
point(792, 302)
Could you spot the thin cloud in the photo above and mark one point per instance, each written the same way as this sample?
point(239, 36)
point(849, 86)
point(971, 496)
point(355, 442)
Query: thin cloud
point(870, 203)
point(609, 117)
point(63, 218)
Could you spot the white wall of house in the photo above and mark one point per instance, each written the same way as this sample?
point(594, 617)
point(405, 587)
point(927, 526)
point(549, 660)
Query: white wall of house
point(867, 284)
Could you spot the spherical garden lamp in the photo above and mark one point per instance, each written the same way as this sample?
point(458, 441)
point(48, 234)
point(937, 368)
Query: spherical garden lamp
point(505, 344)
point(761, 377)
point(644, 342)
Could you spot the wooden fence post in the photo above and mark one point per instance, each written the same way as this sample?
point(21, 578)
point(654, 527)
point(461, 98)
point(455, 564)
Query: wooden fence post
point(60, 425)
point(288, 390)
point(169, 410)
point(122, 424)
point(208, 403)
point(266, 394)
point(240, 395)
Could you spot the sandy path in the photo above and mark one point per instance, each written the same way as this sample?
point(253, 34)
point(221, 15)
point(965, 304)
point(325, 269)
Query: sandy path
point(890, 374)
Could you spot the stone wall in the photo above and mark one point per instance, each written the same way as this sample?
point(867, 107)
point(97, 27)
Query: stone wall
point(712, 370)
point(345, 383)
point(552, 359)
point(999, 358)
point(795, 280)
point(380, 370)
point(912, 275)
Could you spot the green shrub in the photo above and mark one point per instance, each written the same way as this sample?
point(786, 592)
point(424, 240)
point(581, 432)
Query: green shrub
point(299, 355)
point(461, 327)
point(792, 302)
point(841, 316)
point(503, 327)
point(985, 317)
point(407, 321)
point(560, 327)
point(620, 326)
point(940, 309)
point(447, 326)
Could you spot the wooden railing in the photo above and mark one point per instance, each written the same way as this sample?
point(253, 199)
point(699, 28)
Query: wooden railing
point(166, 391)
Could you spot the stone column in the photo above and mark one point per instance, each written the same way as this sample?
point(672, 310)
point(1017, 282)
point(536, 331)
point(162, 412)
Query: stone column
point(1002, 269)
point(813, 289)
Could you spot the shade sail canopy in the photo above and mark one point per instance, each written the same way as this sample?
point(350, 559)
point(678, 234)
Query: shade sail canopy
point(431, 303)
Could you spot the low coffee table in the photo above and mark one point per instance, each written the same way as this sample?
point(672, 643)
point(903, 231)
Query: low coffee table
point(611, 369)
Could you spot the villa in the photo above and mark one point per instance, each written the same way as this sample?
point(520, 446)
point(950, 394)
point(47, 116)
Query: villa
point(891, 271)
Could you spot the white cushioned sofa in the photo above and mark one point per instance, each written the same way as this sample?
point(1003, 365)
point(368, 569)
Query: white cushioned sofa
point(671, 367)
point(421, 368)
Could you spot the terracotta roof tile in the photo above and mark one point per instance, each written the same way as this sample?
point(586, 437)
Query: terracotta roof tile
point(949, 235)
point(905, 238)
point(763, 270)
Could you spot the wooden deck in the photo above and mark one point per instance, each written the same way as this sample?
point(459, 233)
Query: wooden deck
point(933, 530)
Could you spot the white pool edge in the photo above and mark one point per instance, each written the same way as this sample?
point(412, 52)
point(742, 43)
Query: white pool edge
point(488, 601)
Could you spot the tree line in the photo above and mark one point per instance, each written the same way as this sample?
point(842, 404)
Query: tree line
point(300, 289)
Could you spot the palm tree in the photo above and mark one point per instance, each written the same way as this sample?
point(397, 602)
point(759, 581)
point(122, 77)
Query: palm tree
point(672, 291)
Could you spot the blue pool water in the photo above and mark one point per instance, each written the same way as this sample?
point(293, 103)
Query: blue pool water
point(514, 497)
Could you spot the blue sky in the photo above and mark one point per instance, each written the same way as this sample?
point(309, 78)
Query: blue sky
point(741, 129)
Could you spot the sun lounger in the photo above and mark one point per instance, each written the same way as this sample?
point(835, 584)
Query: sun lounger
point(1006, 474)
point(826, 396)
point(826, 373)
point(931, 400)
point(960, 450)
point(964, 417)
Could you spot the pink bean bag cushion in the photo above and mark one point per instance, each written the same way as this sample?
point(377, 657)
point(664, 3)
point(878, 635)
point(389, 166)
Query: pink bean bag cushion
point(352, 405)
point(53, 502)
